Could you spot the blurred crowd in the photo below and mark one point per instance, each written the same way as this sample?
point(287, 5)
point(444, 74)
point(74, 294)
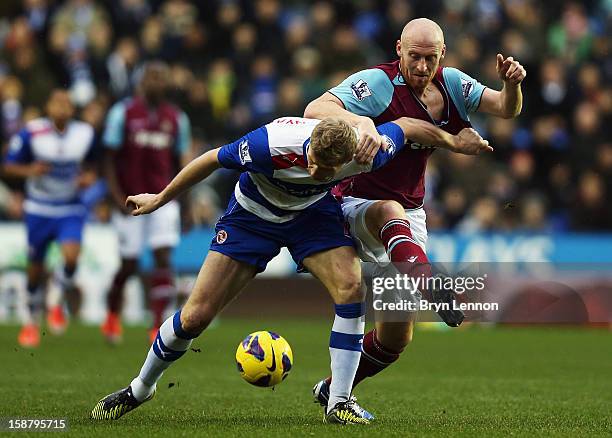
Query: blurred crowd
point(238, 64)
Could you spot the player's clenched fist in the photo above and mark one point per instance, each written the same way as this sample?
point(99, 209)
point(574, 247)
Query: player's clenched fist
point(142, 204)
point(370, 141)
point(469, 142)
point(510, 70)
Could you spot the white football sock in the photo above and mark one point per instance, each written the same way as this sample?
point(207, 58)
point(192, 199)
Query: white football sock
point(171, 343)
point(345, 350)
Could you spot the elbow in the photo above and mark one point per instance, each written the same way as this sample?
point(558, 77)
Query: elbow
point(511, 112)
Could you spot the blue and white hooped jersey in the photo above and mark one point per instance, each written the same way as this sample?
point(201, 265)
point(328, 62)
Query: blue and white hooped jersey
point(54, 194)
point(275, 184)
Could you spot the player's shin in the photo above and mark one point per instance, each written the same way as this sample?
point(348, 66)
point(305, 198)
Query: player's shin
point(374, 357)
point(171, 343)
point(35, 302)
point(345, 350)
point(63, 287)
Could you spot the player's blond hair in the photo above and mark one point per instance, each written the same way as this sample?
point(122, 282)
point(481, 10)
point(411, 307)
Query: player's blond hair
point(333, 141)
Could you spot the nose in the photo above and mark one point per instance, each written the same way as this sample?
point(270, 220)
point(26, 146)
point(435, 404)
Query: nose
point(421, 65)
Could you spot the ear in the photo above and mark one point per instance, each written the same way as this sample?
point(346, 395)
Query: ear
point(443, 52)
point(398, 48)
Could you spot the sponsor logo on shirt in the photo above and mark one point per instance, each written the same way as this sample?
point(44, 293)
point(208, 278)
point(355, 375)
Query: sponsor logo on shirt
point(466, 88)
point(289, 121)
point(152, 139)
point(361, 89)
point(421, 146)
point(243, 150)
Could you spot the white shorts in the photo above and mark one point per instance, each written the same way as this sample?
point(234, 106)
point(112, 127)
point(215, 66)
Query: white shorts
point(370, 249)
point(160, 229)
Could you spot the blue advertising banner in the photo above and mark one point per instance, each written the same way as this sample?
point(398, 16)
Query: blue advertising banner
point(450, 247)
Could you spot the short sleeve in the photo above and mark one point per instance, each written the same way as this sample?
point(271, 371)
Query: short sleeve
point(366, 93)
point(465, 91)
point(394, 136)
point(249, 153)
point(183, 139)
point(115, 124)
point(19, 150)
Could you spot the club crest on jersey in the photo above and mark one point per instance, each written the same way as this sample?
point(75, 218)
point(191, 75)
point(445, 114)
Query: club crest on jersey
point(243, 150)
point(361, 89)
point(466, 88)
point(221, 236)
point(15, 143)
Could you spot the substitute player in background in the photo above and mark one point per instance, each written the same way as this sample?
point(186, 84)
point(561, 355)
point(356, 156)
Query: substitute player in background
point(146, 140)
point(384, 209)
point(281, 200)
point(54, 156)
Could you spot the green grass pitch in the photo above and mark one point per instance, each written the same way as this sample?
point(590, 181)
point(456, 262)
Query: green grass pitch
point(467, 382)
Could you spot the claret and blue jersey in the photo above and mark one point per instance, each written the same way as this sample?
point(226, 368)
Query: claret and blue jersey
point(382, 94)
point(276, 203)
point(371, 92)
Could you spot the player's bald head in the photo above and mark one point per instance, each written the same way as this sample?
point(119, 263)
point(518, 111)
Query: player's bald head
point(422, 31)
point(420, 49)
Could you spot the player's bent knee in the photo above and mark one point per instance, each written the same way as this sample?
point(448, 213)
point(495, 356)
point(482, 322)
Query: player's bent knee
point(382, 212)
point(387, 210)
point(70, 267)
point(162, 258)
point(128, 268)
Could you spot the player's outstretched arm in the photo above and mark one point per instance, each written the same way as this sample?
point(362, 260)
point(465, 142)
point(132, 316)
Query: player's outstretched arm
point(193, 173)
point(508, 102)
point(467, 142)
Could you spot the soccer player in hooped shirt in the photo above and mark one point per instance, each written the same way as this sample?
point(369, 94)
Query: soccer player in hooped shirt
point(282, 199)
point(54, 156)
point(146, 139)
point(384, 209)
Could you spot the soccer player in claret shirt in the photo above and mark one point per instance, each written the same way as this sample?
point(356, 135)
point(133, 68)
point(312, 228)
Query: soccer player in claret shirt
point(146, 139)
point(55, 156)
point(282, 199)
point(384, 209)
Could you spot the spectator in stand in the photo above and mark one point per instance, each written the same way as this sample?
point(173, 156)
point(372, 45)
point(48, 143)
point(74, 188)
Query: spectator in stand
point(235, 63)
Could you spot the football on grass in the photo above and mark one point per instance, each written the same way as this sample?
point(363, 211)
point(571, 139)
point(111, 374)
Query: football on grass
point(264, 358)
